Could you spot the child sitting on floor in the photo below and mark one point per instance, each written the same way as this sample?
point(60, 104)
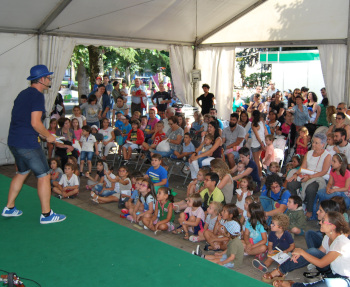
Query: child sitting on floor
point(233, 255)
point(163, 216)
point(195, 186)
point(255, 235)
point(246, 189)
point(218, 238)
point(295, 212)
point(192, 219)
point(55, 171)
point(279, 240)
point(157, 174)
point(98, 179)
point(68, 185)
point(145, 206)
point(213, 211)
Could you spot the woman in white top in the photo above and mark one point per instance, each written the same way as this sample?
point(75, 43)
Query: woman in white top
point(258, 139)
point(317, 160)
point(335, 246)
point(108, 138)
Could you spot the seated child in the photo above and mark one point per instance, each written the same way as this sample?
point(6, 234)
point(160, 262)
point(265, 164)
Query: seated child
point(274, 167)
point(295, 212)
point(255, 235)
point(157, 174)
point(211, 192)
point(342, 206)
point(55, 171)
point(144, 121)
point(218, 238)
point(73, 160)
point(118, 125)
point(279, 240)
point(213, 211)
point(76, 128)
point(77, 115)
point(163, 216)
point(246, 189)
point(99, 177)
point(330, 144)
point(134, 195)
point(296, 162)
point(134, 139)
point(205, 146)
point(195, 186)
point(68, 185)
point(157, 137)
point(248, 200)
point(240, 170)
point(114, 187)
point(145, 206)
point(87, 142)
point(192, 219)
point(269, 153)
point(187, 149)
point(233, 255)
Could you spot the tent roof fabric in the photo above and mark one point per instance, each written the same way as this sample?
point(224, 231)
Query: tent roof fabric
point(174, 21)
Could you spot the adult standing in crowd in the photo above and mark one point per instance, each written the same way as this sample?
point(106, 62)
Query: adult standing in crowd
point(103, 99)
point(116, 91)
point(214, 113)
point(237, 101)
point(321, 116)
point(291, 100)
point(258, 90)
point(137, 95)
point(304, 93)
point(161, 99)
point(25, 127)
point(317, 160)
point(233, 137)
point(324, 93)
point(301, 113)
point(288, 128)
point(271, 89)
point(256, 105)
point(258, 139)
point(207, 100)
point(108, 86)
point(278, 106)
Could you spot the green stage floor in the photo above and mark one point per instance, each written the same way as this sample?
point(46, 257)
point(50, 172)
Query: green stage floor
point(87, 250)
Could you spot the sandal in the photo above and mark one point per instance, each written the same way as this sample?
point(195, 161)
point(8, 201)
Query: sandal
point(269, 278)
point(186, 237)
point(279, 283)
point(178, 230)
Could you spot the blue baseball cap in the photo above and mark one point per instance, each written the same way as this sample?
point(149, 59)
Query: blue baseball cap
point(38, 71)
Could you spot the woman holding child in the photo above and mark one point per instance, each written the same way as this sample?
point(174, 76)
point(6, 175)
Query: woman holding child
point(318, 162)
point(214, 152)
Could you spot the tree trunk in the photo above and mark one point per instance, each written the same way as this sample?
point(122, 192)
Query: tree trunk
point(127, 75)
point(100, 61)
point(83, 81)
point(113, 71)
point(93, 64)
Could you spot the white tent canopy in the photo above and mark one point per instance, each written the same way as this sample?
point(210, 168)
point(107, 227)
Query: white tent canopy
point(46, 31)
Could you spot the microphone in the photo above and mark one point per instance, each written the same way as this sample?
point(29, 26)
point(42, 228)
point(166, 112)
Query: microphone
point(44, 85)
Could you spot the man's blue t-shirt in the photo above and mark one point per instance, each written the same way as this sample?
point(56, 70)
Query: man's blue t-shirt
point(157, 175)
point(21, 132)
point(275, 196)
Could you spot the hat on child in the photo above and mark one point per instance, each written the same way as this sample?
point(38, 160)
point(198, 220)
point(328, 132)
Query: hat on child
point(123, 117)
point(94, 127)
point(232, 227)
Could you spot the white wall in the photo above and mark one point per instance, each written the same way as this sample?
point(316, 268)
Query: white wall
point(297, 75)
point(17, 56)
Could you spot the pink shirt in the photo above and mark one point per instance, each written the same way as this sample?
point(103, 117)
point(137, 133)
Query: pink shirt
point(269, 151)
point(78, 133)
point(339, 181)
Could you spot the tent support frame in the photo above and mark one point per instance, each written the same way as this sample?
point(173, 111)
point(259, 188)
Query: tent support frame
point(347, 71)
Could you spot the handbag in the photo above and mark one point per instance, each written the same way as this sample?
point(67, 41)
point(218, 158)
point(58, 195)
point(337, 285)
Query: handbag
point(163, 146)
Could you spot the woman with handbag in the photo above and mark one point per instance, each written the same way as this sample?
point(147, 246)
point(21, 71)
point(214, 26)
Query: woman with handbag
point(196, 160)
point(65, 149)
point(318, 160)
point(173, 137)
